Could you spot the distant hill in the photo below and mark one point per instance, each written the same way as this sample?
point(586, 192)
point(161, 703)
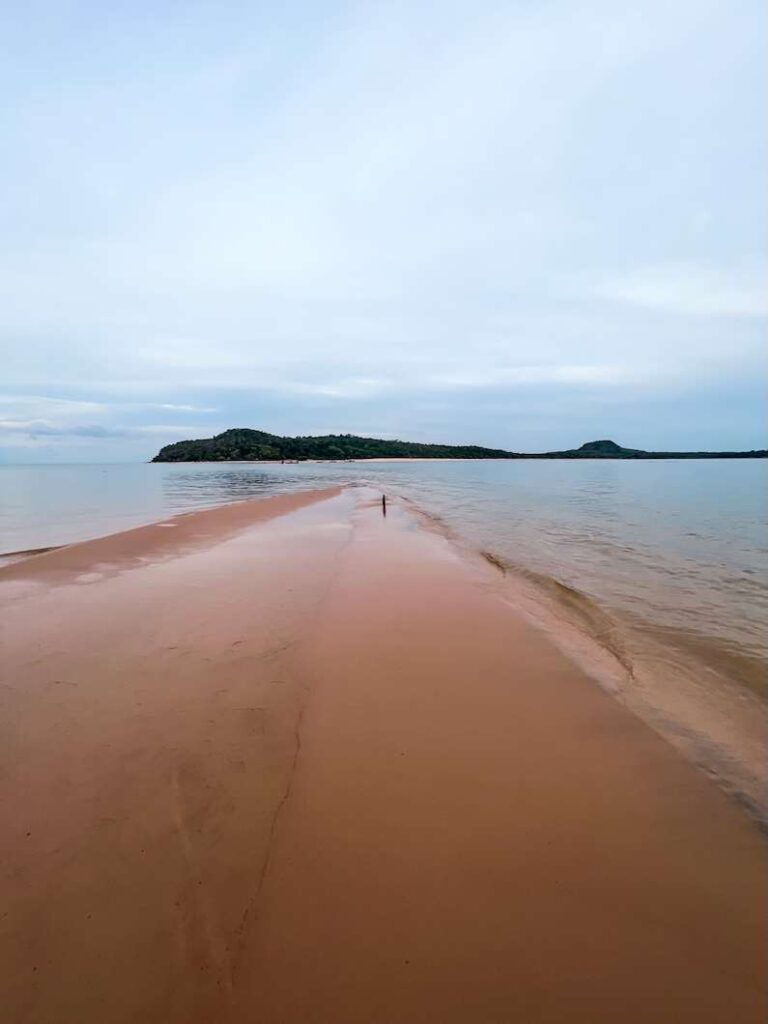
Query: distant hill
point(241, 444)
point(611, 450)
point(244, 444)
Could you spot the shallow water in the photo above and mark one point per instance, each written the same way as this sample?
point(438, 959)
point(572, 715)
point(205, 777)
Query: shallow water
point(663, 559)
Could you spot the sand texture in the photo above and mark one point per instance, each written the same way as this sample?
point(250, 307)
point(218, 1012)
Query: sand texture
point(292, 761)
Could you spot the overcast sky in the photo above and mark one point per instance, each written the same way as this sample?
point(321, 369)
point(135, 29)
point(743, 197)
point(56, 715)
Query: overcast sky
point(523, 224)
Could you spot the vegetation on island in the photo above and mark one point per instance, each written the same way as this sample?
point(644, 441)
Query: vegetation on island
point(241, 444)
point(611, 450)
point(244, 444)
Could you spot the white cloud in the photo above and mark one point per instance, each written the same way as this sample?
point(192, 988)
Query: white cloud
point(179, 408)
point(694, 290)
point(184, 430)
point(512, 376)
point(44, 405)
point(45, 419)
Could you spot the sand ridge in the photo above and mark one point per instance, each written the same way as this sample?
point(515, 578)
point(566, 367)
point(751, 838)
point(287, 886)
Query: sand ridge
point(316, 769)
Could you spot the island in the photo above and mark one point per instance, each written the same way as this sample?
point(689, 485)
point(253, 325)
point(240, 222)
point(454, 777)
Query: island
point(241, 444)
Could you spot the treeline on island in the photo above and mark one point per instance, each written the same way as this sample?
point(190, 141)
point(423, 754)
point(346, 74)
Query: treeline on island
point(241, 444)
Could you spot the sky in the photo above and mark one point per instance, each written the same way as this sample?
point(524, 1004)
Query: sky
point(526, 224)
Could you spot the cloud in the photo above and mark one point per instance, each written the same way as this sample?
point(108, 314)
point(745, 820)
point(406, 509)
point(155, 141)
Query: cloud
point(179, 408)
point(42, 405)
point(52, 420)
point(44, 428)
point(184, 430)
point(694, 290)
point(522, 376)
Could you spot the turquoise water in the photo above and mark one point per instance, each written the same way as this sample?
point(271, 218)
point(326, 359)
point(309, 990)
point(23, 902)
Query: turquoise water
point(674, 551)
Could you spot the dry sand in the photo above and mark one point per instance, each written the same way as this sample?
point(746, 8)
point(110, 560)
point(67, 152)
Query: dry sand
point(289, 761)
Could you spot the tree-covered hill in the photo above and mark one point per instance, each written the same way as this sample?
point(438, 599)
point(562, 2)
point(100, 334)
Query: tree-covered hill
point(243, 444)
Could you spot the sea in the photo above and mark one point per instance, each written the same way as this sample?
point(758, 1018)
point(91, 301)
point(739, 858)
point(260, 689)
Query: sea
point(662, 565)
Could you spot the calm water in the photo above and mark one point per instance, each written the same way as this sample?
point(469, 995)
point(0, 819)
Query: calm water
point(676, 551)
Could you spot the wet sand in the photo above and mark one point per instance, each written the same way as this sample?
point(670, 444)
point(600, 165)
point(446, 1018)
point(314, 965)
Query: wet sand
point(292, 761)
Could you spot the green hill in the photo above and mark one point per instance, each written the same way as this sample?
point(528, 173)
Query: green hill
point(611, 450)
point(242, 444)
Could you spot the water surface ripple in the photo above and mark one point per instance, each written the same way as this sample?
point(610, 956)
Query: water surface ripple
point(673, 552)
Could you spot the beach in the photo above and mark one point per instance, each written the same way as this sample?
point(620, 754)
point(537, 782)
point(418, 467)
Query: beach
point(293, 760)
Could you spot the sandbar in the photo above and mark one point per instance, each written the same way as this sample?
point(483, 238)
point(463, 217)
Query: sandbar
point(295, 761)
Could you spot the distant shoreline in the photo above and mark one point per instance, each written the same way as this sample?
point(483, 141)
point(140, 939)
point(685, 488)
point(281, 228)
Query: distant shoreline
point(679, 457)
point(243, 444)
